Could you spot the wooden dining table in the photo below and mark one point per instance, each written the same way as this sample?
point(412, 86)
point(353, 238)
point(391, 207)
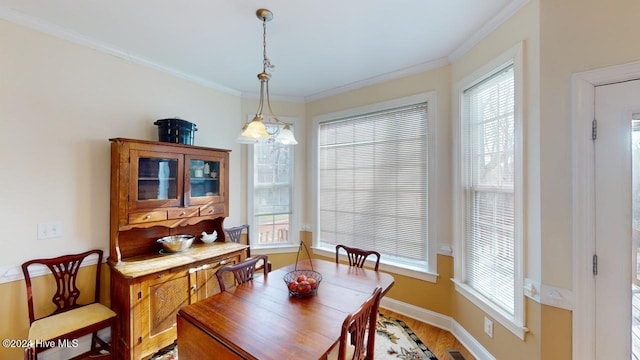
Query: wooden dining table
point(260, 320)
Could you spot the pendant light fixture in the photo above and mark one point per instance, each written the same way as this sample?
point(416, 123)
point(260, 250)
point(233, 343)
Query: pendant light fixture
point(269, 129)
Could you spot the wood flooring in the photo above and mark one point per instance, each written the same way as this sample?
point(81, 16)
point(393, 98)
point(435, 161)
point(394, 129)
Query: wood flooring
point(436, 339)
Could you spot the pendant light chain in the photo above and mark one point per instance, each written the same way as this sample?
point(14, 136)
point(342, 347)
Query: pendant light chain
point(266, 64)
point(265, 60)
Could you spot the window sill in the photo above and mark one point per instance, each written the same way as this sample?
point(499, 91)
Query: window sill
point(279, 249)
point(500, 316)
point(394, 269)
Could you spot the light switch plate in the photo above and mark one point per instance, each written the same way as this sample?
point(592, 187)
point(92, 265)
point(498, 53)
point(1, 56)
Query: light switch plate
point(49, 230)
point(488, 327)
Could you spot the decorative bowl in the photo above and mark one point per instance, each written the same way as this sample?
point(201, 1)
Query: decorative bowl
point(302, 283)
point(176, 243)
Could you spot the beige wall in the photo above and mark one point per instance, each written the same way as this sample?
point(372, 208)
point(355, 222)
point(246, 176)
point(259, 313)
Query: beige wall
point(59, 105)
point(60, 102)
point(576, 36)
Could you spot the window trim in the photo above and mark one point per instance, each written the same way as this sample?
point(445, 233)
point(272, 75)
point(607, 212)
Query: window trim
point(429, 274)
point(294, 231)
point(515, 323)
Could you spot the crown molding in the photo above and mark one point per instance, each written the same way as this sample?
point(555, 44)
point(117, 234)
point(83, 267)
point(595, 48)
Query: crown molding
point(72, 36)
point(256, 96)
point(66, 34)
point(487, 28)
point(411, 70)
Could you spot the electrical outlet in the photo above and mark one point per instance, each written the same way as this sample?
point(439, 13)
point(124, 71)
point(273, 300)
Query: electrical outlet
point(488, 327)
point(49, 230)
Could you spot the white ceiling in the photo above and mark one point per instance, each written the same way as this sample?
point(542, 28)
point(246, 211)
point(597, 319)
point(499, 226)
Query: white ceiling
point(319, 48)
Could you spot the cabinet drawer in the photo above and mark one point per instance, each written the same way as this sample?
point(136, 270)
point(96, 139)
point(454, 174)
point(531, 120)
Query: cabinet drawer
point(185, 212)
point(143, 217)
point(212, 209)
point(205, 275)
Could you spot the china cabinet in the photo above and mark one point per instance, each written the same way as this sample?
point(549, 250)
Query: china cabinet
point(160, 189)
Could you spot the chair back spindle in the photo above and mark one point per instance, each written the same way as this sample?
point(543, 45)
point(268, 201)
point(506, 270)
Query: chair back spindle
point(79, 319)
point(235, 235)
point(242, 272)
point(357, 257)
point(357, 338)
point(65, 272)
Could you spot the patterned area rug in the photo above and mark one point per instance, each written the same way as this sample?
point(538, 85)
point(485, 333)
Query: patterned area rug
point(394, 340)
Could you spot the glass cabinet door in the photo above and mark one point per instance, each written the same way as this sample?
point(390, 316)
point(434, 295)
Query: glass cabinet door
point(157, 179)
point(204, 179)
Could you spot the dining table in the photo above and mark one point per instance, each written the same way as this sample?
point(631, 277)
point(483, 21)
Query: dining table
point(259, 319)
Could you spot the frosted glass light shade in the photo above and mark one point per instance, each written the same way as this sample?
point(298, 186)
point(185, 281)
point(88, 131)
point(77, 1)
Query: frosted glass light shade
point(286, 137)
point(255, 130)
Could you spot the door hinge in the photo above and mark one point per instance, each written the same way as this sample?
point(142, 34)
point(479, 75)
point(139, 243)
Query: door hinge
point(594, 129)
point(595, 264)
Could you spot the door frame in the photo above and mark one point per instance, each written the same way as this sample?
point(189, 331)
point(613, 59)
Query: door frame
point(583, 86)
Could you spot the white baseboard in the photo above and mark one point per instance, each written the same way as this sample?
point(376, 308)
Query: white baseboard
point(441, 321)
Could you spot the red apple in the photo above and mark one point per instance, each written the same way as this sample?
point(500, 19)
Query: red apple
point(301, 278)
point(304, 288)
point(312, 283)
point(293, 286)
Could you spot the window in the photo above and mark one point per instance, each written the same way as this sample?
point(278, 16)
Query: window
point(490, 235)
point(271, 196)
point(373, 180)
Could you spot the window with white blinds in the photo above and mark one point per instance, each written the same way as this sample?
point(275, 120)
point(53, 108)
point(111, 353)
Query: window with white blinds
point(373, 181)
point(488, 168)
point(272, 191)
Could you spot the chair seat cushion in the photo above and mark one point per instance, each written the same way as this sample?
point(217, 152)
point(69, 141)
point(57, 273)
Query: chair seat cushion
point(56, 325)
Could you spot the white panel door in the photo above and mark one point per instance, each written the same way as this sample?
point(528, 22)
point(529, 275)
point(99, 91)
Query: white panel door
point(616, 106)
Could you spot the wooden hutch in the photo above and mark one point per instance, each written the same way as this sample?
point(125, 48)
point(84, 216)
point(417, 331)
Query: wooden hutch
point(160, 189)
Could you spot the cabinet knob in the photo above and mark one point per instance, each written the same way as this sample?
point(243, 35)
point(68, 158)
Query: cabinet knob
point(183, 213)
point(211, 211)
point(147, 217)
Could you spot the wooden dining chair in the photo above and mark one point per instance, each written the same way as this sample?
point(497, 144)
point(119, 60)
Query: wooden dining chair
point(242, 272)
point(358, 334)
point(356, 256)
point(235, 235)
point(70, 320)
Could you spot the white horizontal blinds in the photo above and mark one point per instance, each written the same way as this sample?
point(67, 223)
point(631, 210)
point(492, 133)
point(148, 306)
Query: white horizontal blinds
point(488, 143)
point(273, 177)
point(272, 189)
point(373, 183)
